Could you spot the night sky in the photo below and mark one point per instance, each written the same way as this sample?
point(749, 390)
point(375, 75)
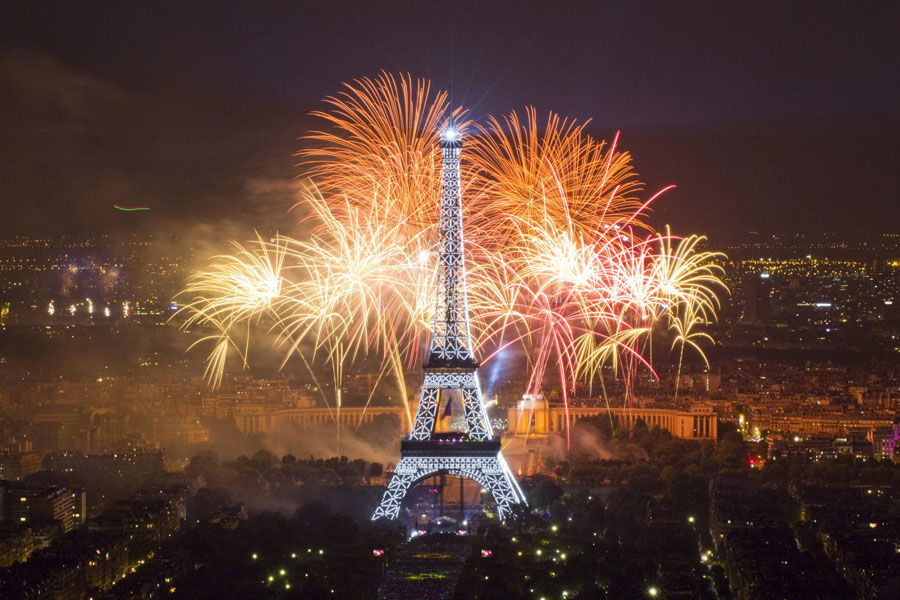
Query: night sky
point(775, 116)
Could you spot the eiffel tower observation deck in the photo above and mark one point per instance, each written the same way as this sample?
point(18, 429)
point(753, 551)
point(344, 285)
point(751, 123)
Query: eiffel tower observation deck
point(451, 376)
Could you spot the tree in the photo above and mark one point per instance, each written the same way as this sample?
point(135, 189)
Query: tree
point(731, 453)
point(545, 494)
point(264, 460)
point(775, 472)
point(206, 465)
point(206, 501)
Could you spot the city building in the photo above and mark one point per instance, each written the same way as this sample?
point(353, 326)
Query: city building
point(32, 506)
point(15, 466)
point(539, 418)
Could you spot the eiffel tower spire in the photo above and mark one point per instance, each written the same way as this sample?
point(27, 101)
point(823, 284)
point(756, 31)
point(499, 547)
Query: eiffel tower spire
point(450, 342)
point(451, 371)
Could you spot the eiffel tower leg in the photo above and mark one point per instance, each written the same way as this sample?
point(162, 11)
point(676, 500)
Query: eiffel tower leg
point(476, 416)
point(426, 414)
point(405, 474)
point(499, 481)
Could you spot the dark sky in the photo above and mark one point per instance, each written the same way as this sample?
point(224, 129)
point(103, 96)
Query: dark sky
point(779, 116)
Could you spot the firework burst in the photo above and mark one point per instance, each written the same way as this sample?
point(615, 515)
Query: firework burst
point(564, 266)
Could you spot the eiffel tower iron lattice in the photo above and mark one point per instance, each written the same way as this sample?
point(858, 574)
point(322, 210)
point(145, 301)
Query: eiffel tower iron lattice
point(450, 365)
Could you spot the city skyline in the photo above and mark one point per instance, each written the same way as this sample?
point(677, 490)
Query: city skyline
point(449, 300)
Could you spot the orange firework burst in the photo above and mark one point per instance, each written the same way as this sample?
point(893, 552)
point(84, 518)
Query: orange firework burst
point(380, 146)
point(523, 171)
point(563, 264)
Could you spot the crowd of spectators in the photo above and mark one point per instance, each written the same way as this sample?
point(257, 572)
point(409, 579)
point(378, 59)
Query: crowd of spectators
point(427, 568)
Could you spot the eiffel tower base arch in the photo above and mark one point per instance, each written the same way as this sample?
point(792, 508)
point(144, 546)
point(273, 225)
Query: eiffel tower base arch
point(490, 471)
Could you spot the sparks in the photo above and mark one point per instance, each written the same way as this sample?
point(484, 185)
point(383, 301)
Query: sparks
point(562, 263)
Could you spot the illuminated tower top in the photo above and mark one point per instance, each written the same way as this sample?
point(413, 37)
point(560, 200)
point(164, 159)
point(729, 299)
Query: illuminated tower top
point(451, 338)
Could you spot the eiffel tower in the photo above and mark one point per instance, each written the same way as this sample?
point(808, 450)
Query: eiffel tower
point(451, 375)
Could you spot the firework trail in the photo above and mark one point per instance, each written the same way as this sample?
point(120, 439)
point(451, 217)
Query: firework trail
point(564, 266)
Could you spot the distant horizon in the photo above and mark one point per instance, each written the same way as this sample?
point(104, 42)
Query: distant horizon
point(729, 238)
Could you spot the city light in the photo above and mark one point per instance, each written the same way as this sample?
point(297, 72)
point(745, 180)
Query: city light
point(538, 270)
point(421, 320)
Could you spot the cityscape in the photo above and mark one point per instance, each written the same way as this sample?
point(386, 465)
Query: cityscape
point(422, 337)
